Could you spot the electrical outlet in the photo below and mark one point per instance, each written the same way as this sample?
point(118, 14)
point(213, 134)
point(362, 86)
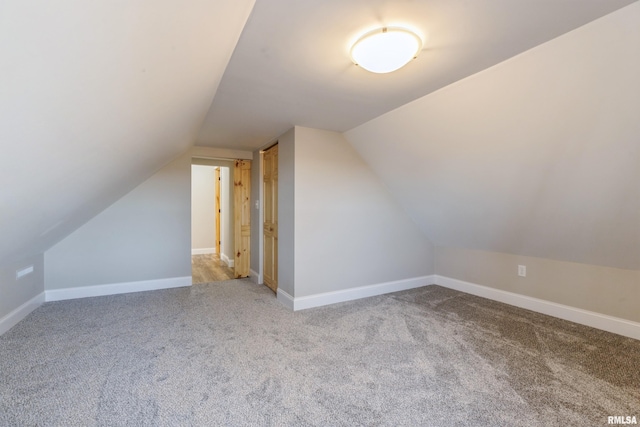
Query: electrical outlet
point(522, 270)
point(24, 272)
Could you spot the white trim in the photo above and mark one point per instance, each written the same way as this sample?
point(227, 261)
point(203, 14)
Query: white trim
point(227, 260)
point(11, 319)
point(326, 298)
point(116, 288)
point(203, 251)
point(220, 153)
point(286, 299)
point(616, 325)
point(255, 277)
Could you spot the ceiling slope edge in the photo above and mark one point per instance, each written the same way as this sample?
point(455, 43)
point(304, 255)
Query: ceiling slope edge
point(92, 113)
point(536, 156)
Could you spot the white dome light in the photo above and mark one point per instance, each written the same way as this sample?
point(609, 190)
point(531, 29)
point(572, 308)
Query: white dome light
point(386, 49)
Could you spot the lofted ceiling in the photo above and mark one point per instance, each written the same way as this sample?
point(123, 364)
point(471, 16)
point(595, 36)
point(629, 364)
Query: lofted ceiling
point(291, 65)
point(537, 156)
point(94, 98)
point(97, 96)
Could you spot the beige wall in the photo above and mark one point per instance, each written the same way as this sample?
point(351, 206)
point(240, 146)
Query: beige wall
point(339, 228)
point(349, 230)
point(143, 236)
point(15, 292)
point(203, 208)
point(611, 291)
point(286, 212)
point(226, 216)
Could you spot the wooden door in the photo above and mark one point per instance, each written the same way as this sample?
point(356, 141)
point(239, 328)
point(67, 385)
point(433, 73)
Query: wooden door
point(270, 182)
point(242, 217)
point(217, 184)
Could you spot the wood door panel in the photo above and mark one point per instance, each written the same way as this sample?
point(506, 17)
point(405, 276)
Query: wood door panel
point(242, 217)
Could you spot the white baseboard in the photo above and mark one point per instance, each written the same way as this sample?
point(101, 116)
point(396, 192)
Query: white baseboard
point(11, 319)
point(616, 325)
point(116, 288)
point(203, 251)
point(286, 299)
point(326, 298)
point(255, 277)
point(227, 260)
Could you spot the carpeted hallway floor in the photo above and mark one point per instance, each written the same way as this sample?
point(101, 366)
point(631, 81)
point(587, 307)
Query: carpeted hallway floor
point(230, 354)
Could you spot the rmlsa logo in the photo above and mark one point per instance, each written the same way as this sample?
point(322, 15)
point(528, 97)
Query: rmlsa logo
point(622, 420)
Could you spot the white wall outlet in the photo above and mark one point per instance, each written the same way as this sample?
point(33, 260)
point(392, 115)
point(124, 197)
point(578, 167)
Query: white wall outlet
point(522, 270)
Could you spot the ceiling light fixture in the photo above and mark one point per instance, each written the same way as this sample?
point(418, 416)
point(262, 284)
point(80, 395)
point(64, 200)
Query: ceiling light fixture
point(386, 49)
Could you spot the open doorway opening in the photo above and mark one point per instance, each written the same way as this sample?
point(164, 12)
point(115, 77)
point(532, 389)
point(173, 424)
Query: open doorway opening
point(212, 239)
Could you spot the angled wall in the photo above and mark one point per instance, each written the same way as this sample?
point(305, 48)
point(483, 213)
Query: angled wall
point(96, 97)
point(143, 236)
point(610, 291)
point(20, 295)
point(349, 232)
point(537, 157)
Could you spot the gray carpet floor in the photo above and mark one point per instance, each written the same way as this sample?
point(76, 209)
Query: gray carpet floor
point(230, 354)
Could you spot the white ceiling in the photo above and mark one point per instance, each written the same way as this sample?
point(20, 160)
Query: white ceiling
point(538, 156)
point(291, 65)
point(96, 96)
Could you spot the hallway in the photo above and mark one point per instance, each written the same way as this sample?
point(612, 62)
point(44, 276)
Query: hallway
point(209, 268)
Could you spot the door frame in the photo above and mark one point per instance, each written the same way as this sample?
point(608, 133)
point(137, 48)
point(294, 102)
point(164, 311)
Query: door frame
point(217, 184)
point(242, 206)
point(209, 156)
point(273, 286)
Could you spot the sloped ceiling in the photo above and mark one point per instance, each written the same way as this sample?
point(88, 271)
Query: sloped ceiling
point(537, 156)
point(292, 65)
point(94, 97)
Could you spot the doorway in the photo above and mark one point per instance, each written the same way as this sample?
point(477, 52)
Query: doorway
point(212, 258)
